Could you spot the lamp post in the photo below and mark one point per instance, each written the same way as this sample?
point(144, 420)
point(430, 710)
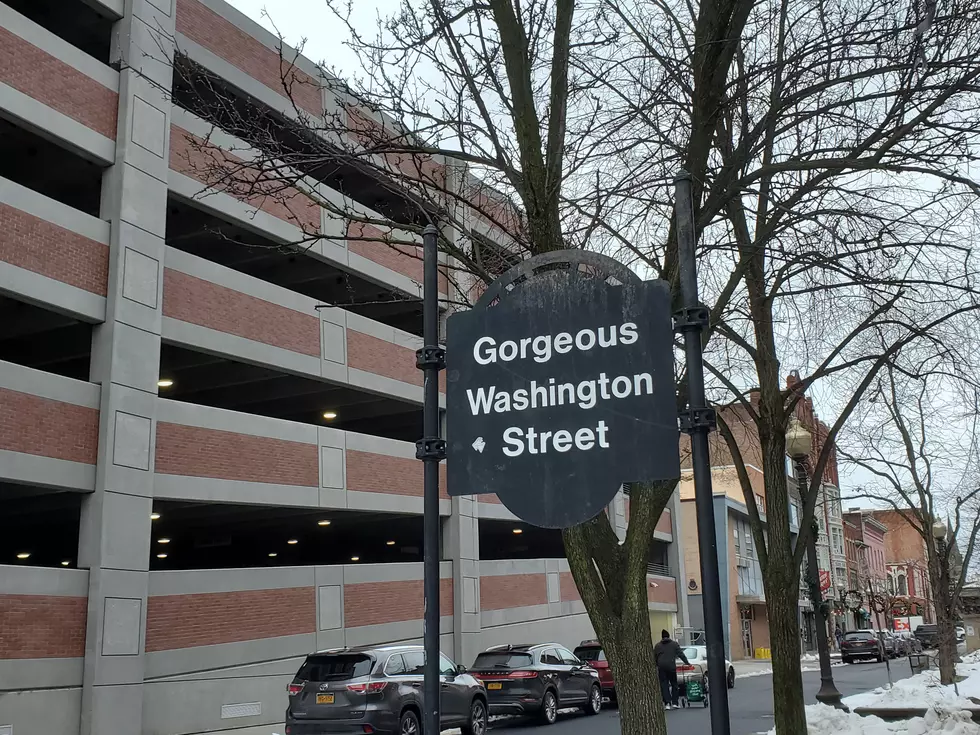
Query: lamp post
point(798, 443)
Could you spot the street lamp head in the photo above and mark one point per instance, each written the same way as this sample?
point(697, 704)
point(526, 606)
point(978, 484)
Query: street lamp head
point(798, 439)
point(939, 530)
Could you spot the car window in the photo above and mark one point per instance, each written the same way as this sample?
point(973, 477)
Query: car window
point(395, 665)
point(590, 654)
point(336, 667)
point(862, 635)
point(550, 657)
point(568, 658)
point(691, 654)
point(414, 663)
point(446, 667)
point(502, 660)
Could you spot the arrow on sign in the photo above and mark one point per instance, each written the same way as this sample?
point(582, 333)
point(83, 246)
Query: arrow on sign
point(479, 444)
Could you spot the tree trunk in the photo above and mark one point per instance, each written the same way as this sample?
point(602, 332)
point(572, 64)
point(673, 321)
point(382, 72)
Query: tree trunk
point(784, 640)
point(946, 634)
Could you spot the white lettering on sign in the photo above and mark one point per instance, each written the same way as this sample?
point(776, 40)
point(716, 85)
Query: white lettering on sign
point(585, 394)
point(541, 348)
point(517, 440)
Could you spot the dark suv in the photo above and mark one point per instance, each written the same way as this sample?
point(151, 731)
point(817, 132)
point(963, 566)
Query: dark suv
point(861, 644)
point(537, 680)
point(927, 635)
point(379, 690)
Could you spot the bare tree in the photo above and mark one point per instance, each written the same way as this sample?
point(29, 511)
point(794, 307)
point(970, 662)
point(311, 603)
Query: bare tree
point(922, 453)
point(830, 148)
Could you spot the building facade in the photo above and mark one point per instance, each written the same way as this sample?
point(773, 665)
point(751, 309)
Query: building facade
point(907, 565)
point(207, 460)
point(867, 570)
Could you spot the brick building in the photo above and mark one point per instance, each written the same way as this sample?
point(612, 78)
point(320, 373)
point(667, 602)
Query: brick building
point(204, 474)
point(866, 562)
point(906, 560)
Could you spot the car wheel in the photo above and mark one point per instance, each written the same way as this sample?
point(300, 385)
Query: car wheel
point(731, 677)
point(549, 708)
point(846, 660)
point(879, 658)
point(477, 724)
point(594, 705)
point(409, 724)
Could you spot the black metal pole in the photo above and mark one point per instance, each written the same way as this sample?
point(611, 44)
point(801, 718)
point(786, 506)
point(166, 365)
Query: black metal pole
point(431, 449)
point(698, 423)
point(828, 693)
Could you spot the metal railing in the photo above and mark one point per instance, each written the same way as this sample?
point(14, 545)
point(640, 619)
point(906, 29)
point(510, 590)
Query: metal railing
point(661, 570)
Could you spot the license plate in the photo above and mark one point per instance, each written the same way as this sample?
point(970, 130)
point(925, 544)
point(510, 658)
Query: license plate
point(495, 685)
point(324, 699)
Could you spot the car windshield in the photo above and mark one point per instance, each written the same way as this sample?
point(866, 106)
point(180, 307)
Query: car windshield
point(864, 635)
point(502, 660)
point(692, 653)
point(336, 667)
point(590, 654)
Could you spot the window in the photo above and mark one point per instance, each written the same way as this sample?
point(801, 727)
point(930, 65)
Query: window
point(502, 660)
point(335, 668)
point(395, 665)
point(446, 667)
point(568, 658)
point(891, 585)
point(738, 546)
point(549, 657)
point(414, 663)
point(590, 654)
point(903, 587)
point(760, 503)
point(837, 540)
point(794, 515)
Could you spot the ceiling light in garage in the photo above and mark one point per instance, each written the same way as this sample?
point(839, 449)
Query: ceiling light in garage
point(323, 523)
point(391, 543)
point(163, 541)
point(154, 516)
point(65, 563)
point(355, 558)
point(161, 556)
point(165, 383)
point(273, 554)
point(293, 541)
point(329, 415)
point(518, 531)
point(24, 555)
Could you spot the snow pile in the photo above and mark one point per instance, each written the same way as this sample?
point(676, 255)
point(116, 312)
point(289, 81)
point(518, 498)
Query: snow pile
point(824, 720)
point(924, 690)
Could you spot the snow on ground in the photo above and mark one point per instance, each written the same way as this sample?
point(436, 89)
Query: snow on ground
point(924, 690)
point(825, 720)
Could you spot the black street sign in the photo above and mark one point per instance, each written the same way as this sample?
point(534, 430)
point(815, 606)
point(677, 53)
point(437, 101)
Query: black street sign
point(560, 393)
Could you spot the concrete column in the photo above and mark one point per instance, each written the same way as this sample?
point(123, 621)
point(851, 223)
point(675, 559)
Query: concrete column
point(115, 529)
point(675, 558)
point(616, 511)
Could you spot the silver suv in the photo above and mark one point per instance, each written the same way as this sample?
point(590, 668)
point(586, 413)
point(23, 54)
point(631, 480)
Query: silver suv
point(379, 690)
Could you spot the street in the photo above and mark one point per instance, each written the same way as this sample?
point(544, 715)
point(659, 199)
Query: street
point(750, 704)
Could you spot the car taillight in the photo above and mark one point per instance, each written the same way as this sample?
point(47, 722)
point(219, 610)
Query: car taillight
point(599, 664)
point(372, 687)
point(523, 675)
point(294, 689)
point(687, 667)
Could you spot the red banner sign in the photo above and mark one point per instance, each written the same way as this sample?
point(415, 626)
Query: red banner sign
point(824, 580)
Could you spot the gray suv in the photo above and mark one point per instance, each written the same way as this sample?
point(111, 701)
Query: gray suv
point(379, 690)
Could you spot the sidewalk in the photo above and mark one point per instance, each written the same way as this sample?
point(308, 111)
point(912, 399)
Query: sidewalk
point(763, 666)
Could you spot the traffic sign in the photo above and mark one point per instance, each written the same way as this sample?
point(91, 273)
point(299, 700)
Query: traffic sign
point(559, 393)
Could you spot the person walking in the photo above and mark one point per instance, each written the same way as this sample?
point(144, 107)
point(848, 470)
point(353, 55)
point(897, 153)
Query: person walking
point(666, 653)
point(838, 634)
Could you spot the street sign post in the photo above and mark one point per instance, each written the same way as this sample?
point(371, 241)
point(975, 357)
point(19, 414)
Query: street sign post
point(561, 391)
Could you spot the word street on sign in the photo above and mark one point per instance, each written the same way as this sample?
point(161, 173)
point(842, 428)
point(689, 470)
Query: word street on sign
point(559, 394)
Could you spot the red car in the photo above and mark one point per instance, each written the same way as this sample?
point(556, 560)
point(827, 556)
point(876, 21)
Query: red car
point(591, 652)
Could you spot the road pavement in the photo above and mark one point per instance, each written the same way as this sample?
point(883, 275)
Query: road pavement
point(750, 704)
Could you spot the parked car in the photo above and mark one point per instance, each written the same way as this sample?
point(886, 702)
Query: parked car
point(698, 656)
point(591, 652)
point(379, 690)
point(537, 680)
point(927, 634)
point(858, 644)
point(889, 644)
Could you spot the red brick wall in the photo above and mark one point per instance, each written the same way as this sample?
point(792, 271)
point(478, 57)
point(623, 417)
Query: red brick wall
point(48, 428)
point(513, 590)
point(189, 450)
point(665, 591)
point(404, 259)
point(241, 50)
point(45, 248)
point(378, 356)
point(205, 164)
point(378, 473)
point(30, 70)
point(184, 621)
point(376, 603)
point(569, 592)
point(42, 626)
point(207, 304)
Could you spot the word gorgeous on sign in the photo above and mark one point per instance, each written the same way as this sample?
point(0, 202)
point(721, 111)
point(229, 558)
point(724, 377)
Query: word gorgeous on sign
point(559, 393)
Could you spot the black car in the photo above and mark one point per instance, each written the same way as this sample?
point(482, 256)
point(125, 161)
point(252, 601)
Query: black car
point(379, 690)
point(537, 680)
point(927, 635)
point(858, 644)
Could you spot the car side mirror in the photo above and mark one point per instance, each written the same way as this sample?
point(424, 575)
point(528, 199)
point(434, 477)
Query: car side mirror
point(460, 669)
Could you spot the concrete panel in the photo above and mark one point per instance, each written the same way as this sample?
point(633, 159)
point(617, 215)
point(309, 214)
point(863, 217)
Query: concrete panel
point(131, 441)
point(200, 659)
point(330, 607)
point(128, 544)
point(333, 340)
point(380, 445)
point(406, 631)
point(185, 487)
point(50, 293)
point(554, 588)
point(51, 210)
point(141, 278)
point(19, 580)
point(568, 631)
point(52, 124)
point(332, 468)
point(46, 472)
point(142, 196)
point(510, 615)
point(512, 566)
point(149, 129)
point(495, 511)
point(391, 503)
point(231, 345)
point(384, 385)
point(45, 712)
point(206, 417)
point(48, 385)
point(471, 595)
point(201, 581)
point(135, 357)
point(121, 626)
point(115, 708)
point(39, 673)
